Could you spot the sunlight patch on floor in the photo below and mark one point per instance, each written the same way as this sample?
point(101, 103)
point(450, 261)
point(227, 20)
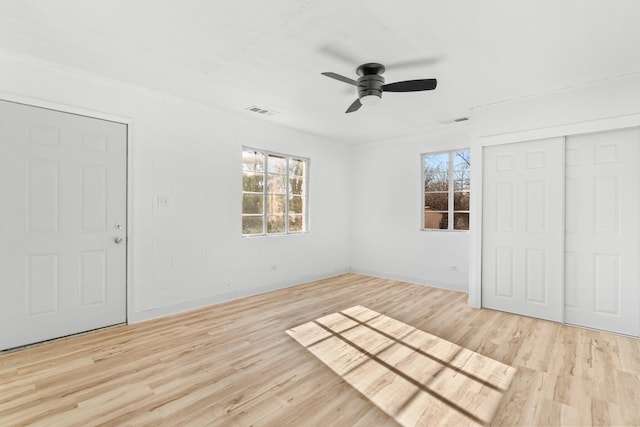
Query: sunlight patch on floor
point(415, 377)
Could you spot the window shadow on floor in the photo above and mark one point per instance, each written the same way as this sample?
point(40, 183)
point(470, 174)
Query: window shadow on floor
point(413, 376)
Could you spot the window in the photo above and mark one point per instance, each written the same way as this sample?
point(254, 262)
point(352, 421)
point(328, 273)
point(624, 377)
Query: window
point(274, 193)
point(446, 190)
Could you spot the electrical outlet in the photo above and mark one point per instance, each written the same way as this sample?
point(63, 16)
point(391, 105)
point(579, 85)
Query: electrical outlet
point(453, 268)
point(164, 201)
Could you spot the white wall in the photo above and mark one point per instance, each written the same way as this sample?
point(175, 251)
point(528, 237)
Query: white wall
point(387, 239)
point(191, 253)
point(600, 106)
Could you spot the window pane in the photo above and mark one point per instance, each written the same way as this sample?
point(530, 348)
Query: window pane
point(436, 181)
point(296, 205)
point(252, 225)
point(296, 167)
point(461, 160)
point(277, 184)
point(252, 161)
point(253, 182)
point(297, 185)
point(275, 224)
point(461, 180)
point(436, 163)
point(436, 201)
point(436, 172)
point(277, 164)
point(460, 221)
point(460, 201)
point(296, 223)
point(276, 204)
point(252, 204)
point(462, 185)
point(436, 220)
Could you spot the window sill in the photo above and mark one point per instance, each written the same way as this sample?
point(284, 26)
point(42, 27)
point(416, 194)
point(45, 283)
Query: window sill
point(438, 230)
point(253, 236)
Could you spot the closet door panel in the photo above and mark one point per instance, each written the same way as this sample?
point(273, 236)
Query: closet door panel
point(603, 233)
point(523, 228)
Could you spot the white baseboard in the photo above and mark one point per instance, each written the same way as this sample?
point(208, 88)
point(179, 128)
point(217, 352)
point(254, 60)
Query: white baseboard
point(182, 307)
point(410, 279)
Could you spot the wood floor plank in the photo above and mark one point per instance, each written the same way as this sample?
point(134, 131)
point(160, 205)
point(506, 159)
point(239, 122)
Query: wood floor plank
point(233, 364)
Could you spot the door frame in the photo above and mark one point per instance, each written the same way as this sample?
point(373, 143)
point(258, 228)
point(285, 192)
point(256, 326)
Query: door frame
point(478, 142)
point(100, 115)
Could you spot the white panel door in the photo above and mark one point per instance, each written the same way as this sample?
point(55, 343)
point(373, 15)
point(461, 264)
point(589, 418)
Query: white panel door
point(602, 231)
point(63, 189)
point(523, 219)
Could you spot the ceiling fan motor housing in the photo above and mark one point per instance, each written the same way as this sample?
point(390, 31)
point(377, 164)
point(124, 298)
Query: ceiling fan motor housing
point(370, 81)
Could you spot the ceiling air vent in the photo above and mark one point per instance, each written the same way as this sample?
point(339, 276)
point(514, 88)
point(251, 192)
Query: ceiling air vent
point(261, 111)
point(450, 121)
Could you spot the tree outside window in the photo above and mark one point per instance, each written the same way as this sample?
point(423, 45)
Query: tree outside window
point(274, 193)
point(446, 178)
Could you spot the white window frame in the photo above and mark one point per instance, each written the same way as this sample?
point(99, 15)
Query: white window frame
point(265, 193)
point(450, 190)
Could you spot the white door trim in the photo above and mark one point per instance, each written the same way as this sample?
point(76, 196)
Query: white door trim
point(478, 142)
point(129, 122)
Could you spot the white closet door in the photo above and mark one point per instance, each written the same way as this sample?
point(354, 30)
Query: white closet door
point(602, 231)
point(63, 189)
point(523, 220)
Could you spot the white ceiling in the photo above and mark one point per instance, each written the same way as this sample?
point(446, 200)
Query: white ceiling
point(237, 53)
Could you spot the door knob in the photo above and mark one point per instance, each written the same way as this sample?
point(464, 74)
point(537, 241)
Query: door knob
point(117, 240)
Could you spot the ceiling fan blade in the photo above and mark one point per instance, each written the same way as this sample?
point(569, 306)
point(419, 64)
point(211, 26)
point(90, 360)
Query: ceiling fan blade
point(340, 53)
point(354, 107)
point(411, 85)
point(341, 78)
point(416, 62)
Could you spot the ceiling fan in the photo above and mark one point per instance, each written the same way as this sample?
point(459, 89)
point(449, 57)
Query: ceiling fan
point(371, 84)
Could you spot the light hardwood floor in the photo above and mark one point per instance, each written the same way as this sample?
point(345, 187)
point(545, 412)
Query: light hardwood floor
point(233, 364)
